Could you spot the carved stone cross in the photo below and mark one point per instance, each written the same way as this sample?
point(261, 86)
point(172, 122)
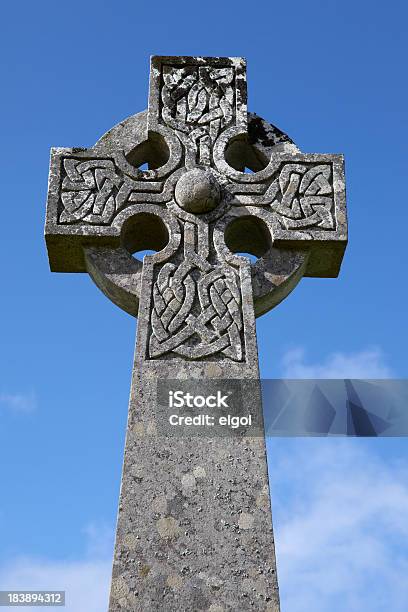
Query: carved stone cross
point(194, 526)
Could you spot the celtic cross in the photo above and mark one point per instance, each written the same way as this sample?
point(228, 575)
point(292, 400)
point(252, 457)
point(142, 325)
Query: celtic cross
point(194, 525)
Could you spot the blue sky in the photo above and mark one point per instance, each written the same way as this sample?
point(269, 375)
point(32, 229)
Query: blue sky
point(332, 75)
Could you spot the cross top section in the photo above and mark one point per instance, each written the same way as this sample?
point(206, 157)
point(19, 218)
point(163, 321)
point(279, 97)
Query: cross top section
point(220, 181)
point(198, 98)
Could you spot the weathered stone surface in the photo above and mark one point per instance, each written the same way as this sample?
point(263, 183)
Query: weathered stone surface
point(197, 191)
point(194, 525)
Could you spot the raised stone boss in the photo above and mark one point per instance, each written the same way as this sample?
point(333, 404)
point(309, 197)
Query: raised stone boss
point(194, 526)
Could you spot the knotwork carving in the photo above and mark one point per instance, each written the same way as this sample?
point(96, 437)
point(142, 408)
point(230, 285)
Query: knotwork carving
point(199, 101)
point(93, 191)
point(300, 195)
point(196, 315)
point(306, 197)
point(89, 191)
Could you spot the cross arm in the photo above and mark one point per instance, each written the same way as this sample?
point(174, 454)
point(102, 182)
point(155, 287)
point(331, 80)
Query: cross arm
point(91, 196)
point(302, 197)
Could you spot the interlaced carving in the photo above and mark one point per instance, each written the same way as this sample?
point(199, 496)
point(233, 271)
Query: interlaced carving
point(306, 197)
point(196, 317)
point(199, 101)
point(94, 190)
point(89, 191)
point(300, 195)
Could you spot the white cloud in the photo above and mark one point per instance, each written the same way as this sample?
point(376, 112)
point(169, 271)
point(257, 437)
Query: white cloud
point(85, 581)
point(18, 402)
point(99, 540)
point(341, 526)
point(341, 513)
point(367, 363)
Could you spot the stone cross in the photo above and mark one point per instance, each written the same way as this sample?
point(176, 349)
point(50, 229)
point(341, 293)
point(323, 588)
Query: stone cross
point(194, 527)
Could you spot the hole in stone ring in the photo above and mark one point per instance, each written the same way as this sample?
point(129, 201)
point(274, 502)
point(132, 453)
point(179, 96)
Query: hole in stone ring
point(244, 157)
point(150, 154)
point(143, 234)
point(248, 236)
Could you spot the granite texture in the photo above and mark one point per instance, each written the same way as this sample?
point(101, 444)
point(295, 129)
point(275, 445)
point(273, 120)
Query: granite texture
point(194, 524)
